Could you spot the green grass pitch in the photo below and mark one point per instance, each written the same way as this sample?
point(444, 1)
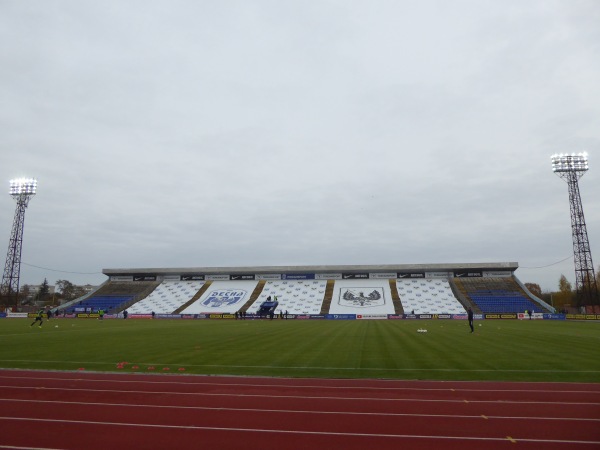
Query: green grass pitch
point(393, 349)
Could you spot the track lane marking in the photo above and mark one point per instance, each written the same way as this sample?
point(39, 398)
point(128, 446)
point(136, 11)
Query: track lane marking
point(300, 411)
point(297, 386)
point(377, 399)
point(316, 433)
point(12, 447)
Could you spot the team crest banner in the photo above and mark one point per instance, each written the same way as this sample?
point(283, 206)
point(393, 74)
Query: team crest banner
point(361, 297)
point(224, 297)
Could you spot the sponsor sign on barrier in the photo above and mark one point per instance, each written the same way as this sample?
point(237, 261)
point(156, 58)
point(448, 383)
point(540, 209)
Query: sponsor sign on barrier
point(466, 274)
point(216, 316)
point(461, 317)
point(554, 317)
point(192, 277)
point(411, 275)
point(88, 316)
point(328, 276)
point(437, 274)
point(442, 316)
point(341, 316)
point(121, 278)
point(144, 278)
point(17, 315)
point(395, 316)
point(168, 316)
point(298, 276)
point(534, 316)
point(249, 276)
point(269, 276)
point(475, 274)
point(355, 276)
point(302, 316)
point(317, 316)
point(497, 274)
point(382, 276)
point(410, 316)
point(217, 277)
point(371, 316)
point(501, 316)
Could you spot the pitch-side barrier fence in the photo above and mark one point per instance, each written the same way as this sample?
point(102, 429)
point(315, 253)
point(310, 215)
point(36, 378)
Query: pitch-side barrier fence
point(228, 316)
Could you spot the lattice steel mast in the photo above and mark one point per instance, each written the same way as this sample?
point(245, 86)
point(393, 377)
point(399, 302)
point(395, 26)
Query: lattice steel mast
point(21, 190)
point(571, 168)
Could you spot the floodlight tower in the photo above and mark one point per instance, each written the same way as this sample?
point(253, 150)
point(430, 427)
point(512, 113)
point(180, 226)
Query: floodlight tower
point(571, 167)
point(21, 189)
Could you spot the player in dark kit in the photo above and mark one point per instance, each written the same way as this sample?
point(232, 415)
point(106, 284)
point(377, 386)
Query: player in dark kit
point(470, 317)
point(39, 318)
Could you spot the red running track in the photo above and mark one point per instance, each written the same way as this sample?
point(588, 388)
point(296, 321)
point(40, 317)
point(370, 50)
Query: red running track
point(86, 410)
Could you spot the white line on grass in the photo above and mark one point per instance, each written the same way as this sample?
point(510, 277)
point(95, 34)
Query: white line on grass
point(314, 433)
point(371, 369)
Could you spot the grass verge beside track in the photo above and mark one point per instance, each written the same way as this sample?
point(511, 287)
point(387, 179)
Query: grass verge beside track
point(498, 350)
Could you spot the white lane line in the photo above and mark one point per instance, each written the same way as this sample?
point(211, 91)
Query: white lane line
point(303, 397)
point(300, 411)
point(299, 386)
point(314, 433)
point(12, 447)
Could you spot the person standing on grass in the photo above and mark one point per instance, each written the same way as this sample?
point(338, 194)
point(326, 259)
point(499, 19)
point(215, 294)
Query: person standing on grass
point(39, 318)
point(470, 317)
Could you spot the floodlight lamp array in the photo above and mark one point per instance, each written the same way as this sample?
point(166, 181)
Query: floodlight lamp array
point(23, 186)
point(573, 162)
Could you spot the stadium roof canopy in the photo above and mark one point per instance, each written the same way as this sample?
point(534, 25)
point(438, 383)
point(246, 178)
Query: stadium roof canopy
point(333, 269)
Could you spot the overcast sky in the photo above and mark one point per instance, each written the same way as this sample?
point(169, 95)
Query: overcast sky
point(240, 133)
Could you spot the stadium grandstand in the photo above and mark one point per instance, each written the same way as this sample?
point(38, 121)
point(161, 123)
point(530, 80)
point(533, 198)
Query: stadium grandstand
point(377, 291)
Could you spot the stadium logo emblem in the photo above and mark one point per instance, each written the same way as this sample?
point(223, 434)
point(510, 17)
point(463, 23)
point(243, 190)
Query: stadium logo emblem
point(224, 297)
point(356, 297)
